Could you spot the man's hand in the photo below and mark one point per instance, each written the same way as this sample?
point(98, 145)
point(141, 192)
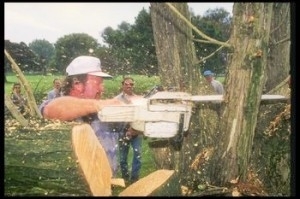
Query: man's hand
point(132, 132)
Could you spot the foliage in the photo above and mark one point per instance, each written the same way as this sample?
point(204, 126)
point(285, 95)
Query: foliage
point(144, 59)
point(133, 45)
point(216, 24)
point(23, 56)
point(44, 50)
point(133, 48)
point(70, 46)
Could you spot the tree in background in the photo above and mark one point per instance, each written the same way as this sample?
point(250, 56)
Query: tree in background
point(24, 57)
point(133, 45)
point(134, 50)
point(119, 45)
point(73, 45)
point(144, 58)
point(45, 51)
point(215, 23)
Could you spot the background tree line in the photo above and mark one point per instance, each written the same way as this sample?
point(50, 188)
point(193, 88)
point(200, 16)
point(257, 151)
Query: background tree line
point(127, 49)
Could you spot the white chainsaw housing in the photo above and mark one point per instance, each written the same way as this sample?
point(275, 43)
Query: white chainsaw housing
point(158, 117)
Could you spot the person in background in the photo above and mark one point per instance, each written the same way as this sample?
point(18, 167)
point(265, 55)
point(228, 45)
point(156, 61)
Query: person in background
point(129, 137)
point(218, 86)
point(82, 89)
point(18, 99)
point(55, 92)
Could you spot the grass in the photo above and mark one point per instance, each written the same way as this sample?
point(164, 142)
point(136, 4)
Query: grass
point(40, 84)
point(41, 162)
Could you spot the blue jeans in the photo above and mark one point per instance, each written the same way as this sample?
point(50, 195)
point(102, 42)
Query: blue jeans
point(124, 145)
point(109, 142)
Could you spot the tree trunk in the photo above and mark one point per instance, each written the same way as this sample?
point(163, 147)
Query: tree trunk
point(245, 82)
point(278, 66)
point(174, 47)
point(176, 58)
point(169, 42)
point(216, 150)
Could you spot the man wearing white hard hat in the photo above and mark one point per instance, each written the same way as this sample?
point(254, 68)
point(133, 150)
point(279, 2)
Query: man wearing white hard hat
point(82, 89)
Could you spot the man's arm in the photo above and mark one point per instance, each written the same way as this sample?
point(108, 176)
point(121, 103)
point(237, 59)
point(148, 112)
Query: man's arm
point(68, 108)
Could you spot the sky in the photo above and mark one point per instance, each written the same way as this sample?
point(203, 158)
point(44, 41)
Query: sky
point(25, 22)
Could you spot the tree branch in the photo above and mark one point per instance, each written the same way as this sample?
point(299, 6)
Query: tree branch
point(209, 56)
point(281, 41)
point(14, 111)
point(31, 100)
point(195, 28)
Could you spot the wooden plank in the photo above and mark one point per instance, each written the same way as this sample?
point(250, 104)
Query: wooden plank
point(92, 160)
point(147, 185)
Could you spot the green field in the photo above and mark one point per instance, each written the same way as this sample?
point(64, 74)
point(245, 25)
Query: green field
point(41, 162)
point(40, 84)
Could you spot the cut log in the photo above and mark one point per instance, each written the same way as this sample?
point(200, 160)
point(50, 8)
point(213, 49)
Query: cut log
point(92, 160)
point(159, 183)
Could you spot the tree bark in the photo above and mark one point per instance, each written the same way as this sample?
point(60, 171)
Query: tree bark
point(245, 82)
point(176, 58)
point(279, 66)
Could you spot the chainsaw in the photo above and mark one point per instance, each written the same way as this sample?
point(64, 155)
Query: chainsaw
point(164, 114)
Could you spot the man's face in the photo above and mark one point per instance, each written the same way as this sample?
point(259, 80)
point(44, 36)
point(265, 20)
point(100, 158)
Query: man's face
point(93, 87)
point(57, 84)
point(209, 78)
point(127, 86)
point(17, 89)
